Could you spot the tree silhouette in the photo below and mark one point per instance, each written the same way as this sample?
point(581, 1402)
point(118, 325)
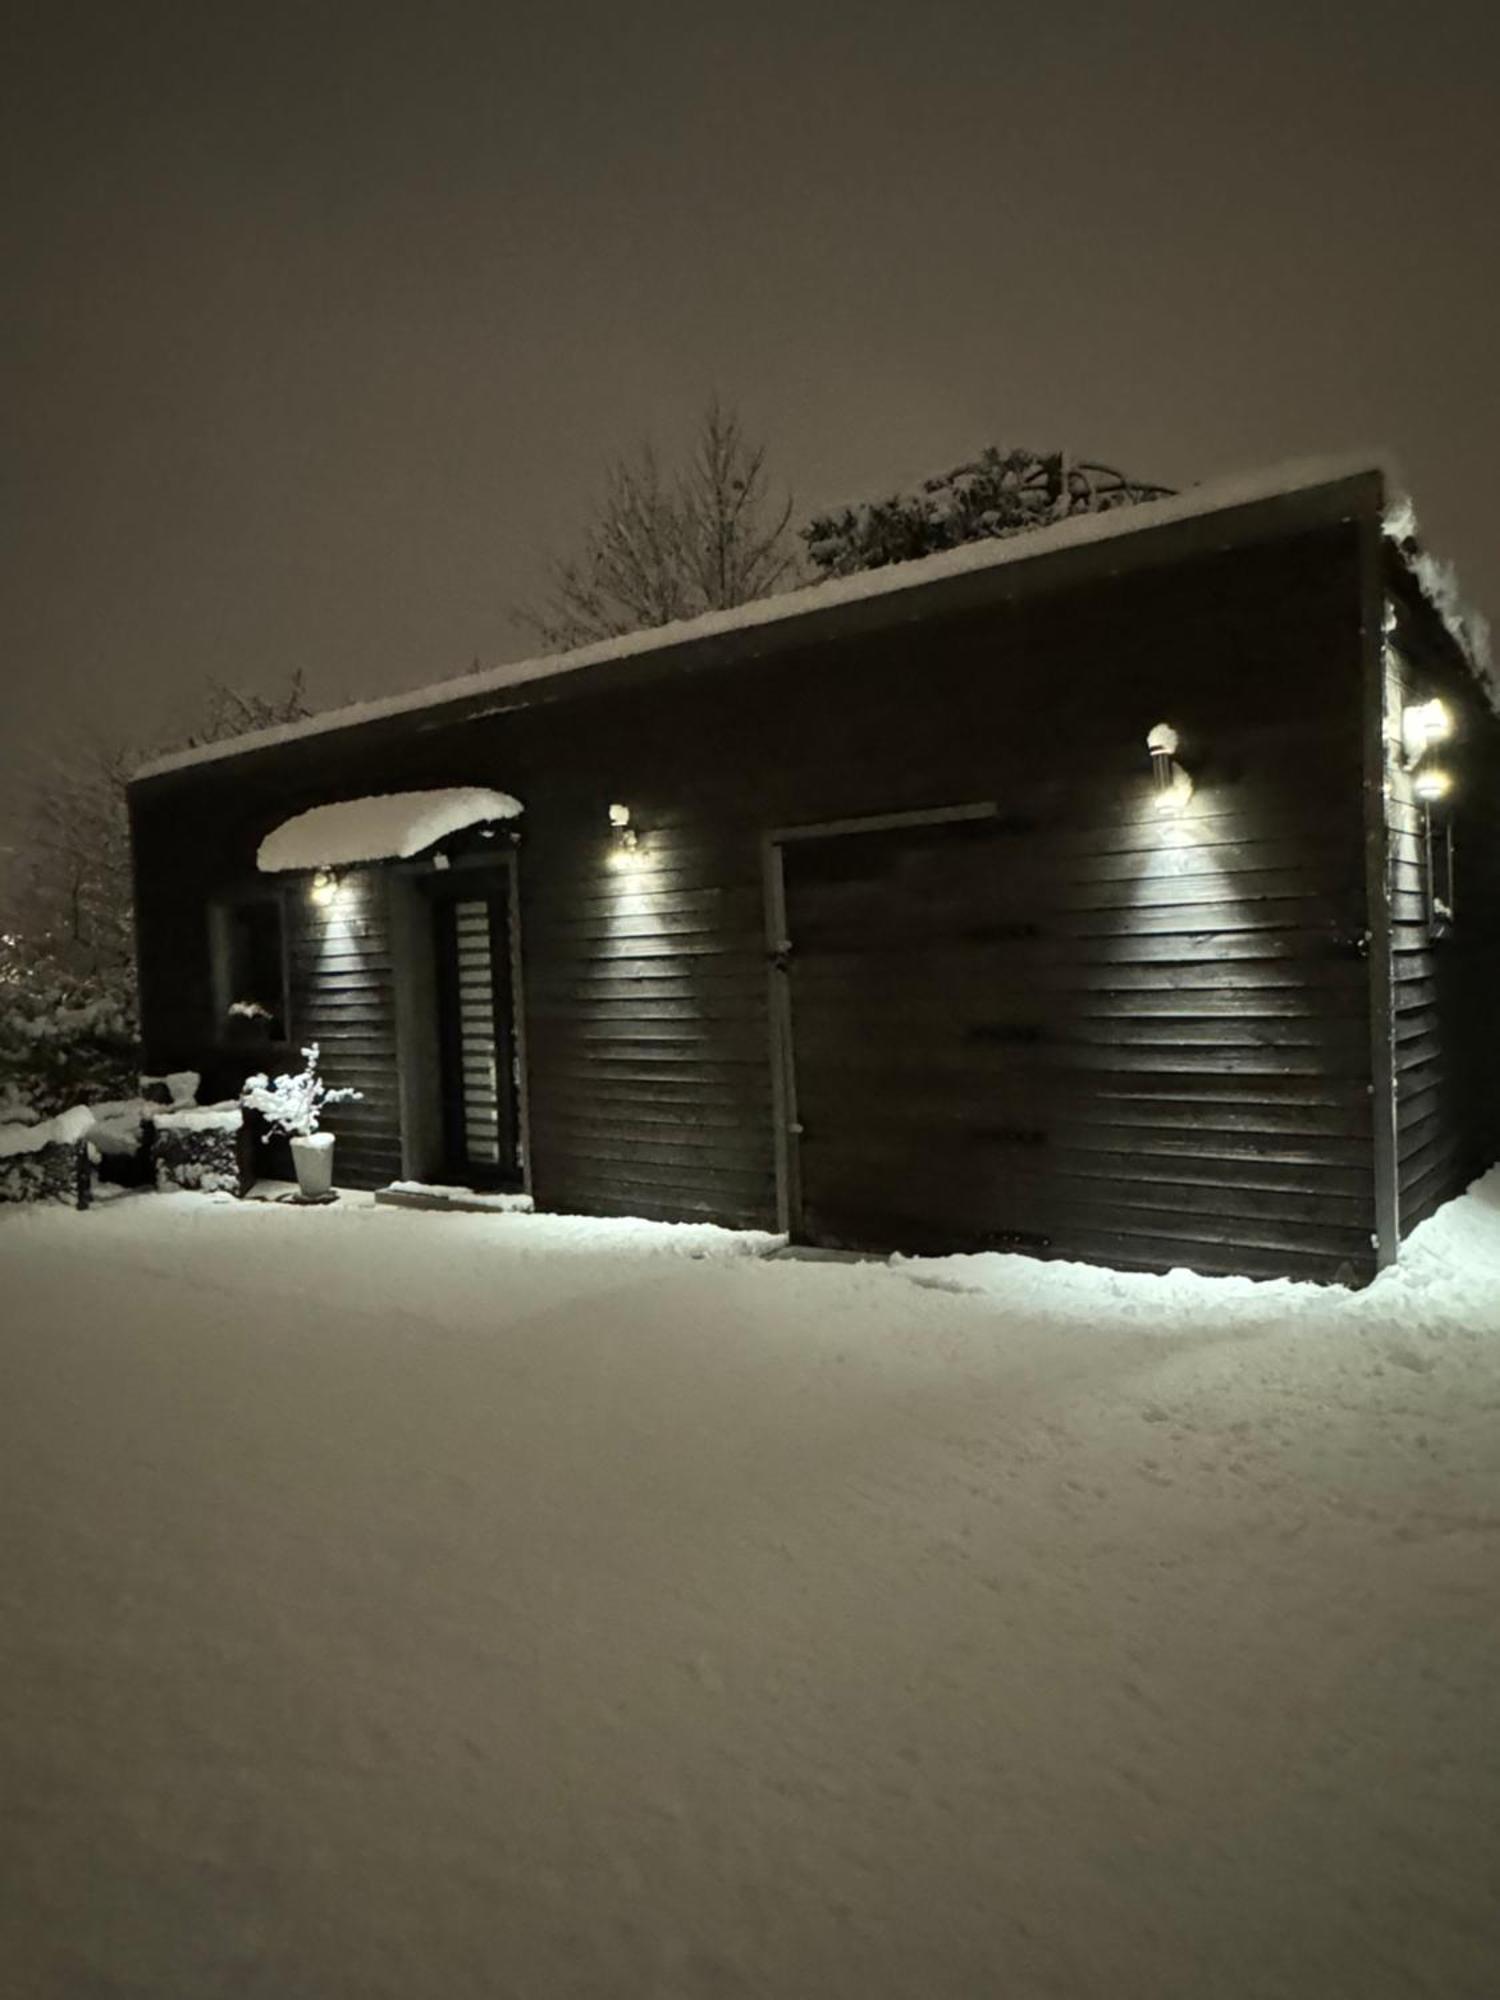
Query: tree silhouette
point(660, 546)
point(996, 494)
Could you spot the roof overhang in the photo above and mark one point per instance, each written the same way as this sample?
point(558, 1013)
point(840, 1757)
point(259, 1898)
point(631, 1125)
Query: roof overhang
point(390, 826)
point(1219, 514)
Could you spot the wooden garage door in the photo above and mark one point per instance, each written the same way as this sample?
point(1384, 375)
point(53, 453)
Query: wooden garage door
point(917, 1039)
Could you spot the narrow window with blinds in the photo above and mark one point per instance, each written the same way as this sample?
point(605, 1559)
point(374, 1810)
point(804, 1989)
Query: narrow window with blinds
point(478, 1053)
point(478, 1038)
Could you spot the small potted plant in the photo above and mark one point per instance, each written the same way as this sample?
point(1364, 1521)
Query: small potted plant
point(294, 1105)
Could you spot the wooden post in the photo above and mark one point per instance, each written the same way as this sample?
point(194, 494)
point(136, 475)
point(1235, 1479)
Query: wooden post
point(1378, 898)
point(779, 1009)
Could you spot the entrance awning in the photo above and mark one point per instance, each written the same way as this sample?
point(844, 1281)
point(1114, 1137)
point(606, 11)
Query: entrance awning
point(388, 827)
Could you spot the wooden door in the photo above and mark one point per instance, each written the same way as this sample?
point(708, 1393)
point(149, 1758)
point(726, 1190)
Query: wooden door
point(471, 914)
point(916, 1085)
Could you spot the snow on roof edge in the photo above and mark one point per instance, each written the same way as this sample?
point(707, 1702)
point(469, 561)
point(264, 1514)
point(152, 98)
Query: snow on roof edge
point(1211, 496)
point(1437, 580)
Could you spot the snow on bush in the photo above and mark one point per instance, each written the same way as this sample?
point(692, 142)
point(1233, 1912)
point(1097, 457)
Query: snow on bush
point(200, 1148)
point(64, 1035)
point(45, 1160)
point(115, 1129)
point(294, 1102)
point(999, 493)
point(64, 1130)
point(178, 1088)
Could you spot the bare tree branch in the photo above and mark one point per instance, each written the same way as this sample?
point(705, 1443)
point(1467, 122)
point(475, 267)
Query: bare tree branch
point(71, 894)
point(658, 549)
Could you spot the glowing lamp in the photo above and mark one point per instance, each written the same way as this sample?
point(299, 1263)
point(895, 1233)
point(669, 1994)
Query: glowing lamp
point(1430, 786)
point(1422, 725)
point(625, 833)
point(1173, 785)
point(325, 886)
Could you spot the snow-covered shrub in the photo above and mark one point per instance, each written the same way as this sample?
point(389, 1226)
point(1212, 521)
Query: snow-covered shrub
point(999, 493)
point(65, 1036)
point(178, 1089)
point(294, 1103)
point(46, 1160)
point(204, 1147)
point(119, 1141)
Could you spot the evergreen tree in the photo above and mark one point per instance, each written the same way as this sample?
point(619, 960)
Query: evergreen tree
point(996, 494)
point(67, 935)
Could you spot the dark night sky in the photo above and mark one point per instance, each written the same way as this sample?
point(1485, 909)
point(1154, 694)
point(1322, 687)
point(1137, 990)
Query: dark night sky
point(319, 320)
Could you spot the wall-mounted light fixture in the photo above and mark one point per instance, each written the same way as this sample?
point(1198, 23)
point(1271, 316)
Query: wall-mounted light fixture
point(325, 886)
point(1173, 785)
point(1424, 724)
point(626, 837)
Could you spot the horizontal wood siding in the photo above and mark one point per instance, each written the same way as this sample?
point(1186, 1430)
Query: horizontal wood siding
point(1444, 987)
point(343, 998)
point(1207, 1084)
point(646, 1023)
point(1190, 1085)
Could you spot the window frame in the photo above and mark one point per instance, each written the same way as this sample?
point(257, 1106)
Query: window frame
point(1437, 871)
point(221, 911)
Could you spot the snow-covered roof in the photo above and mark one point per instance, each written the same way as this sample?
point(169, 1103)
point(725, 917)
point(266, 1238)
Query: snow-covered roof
point(1079, 530)
point(388, 827)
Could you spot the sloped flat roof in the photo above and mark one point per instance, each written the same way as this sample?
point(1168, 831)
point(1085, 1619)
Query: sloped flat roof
point(814, 601)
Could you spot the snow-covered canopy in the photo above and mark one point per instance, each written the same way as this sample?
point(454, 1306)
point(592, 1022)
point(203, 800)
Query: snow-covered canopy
point(388, 827)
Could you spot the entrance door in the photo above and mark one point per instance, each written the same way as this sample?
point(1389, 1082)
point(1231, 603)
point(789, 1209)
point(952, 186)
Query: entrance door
point(914, 1038)
point(476, 1019)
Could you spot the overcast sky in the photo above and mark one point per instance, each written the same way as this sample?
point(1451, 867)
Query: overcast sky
point(319, 321)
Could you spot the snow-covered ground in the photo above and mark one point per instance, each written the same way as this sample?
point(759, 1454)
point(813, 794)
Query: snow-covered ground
point(399, 1604)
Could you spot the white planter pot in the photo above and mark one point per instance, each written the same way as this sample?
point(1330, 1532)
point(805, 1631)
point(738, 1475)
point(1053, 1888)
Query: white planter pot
point(312, 1156)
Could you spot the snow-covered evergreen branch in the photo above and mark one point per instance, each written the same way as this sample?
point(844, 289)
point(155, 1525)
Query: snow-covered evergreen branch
point(294, 1103)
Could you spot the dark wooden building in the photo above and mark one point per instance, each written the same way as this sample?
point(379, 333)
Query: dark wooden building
point(909, 942)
